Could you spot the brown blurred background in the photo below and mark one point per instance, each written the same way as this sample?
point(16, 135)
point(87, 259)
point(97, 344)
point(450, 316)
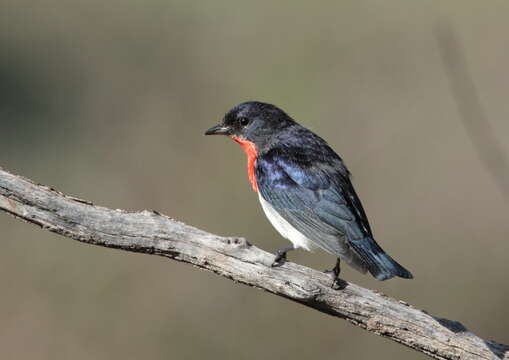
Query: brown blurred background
point(108, 101)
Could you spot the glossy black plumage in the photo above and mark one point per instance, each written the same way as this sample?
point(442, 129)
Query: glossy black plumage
point(309, 186)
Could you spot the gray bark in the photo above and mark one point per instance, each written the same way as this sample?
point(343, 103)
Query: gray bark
point(234, 258)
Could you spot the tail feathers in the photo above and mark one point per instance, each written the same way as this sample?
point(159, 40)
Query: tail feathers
point(378, 263)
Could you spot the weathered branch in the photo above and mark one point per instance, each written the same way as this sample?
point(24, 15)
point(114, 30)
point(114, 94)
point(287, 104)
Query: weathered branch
point(152, 233)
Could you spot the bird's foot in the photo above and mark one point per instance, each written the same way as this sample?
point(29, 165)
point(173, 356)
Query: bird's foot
point(280, 258)
point(337, 283)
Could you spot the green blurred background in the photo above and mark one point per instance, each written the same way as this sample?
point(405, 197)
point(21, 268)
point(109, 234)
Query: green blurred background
point(108, 101)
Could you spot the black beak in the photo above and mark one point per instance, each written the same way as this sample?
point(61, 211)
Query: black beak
point(218, 130)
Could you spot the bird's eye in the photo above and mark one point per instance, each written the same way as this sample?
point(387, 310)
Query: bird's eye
point(244, 121)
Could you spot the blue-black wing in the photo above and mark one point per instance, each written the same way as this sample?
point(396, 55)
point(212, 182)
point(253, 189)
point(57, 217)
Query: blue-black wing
point(313, 192)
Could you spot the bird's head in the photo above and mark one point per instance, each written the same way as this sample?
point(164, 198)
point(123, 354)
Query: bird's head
point(255, 122)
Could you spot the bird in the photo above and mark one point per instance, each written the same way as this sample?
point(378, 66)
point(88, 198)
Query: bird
point(305, 190)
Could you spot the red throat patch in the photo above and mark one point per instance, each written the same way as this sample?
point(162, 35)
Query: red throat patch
point(250, 150)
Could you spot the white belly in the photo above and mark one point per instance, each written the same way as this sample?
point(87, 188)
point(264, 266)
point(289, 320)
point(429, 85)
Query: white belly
point(284, 227)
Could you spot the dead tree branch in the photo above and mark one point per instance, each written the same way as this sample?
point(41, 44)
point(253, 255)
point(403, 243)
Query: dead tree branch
point(234, 258)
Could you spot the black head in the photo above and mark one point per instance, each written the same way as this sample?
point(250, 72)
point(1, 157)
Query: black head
point(252, 121)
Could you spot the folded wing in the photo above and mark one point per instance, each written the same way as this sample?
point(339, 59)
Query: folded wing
point(320, 202)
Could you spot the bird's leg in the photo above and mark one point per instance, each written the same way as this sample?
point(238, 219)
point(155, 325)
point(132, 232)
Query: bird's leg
point(337, 283)
point(281, 256)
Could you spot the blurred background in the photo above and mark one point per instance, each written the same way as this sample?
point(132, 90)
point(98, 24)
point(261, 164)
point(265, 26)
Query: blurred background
point(108, 101)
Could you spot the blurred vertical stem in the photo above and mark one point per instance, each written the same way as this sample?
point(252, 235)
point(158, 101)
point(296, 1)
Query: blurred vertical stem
point(470, 108)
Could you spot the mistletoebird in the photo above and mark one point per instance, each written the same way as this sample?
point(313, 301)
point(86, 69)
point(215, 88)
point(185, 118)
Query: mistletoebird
point(305, 189)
